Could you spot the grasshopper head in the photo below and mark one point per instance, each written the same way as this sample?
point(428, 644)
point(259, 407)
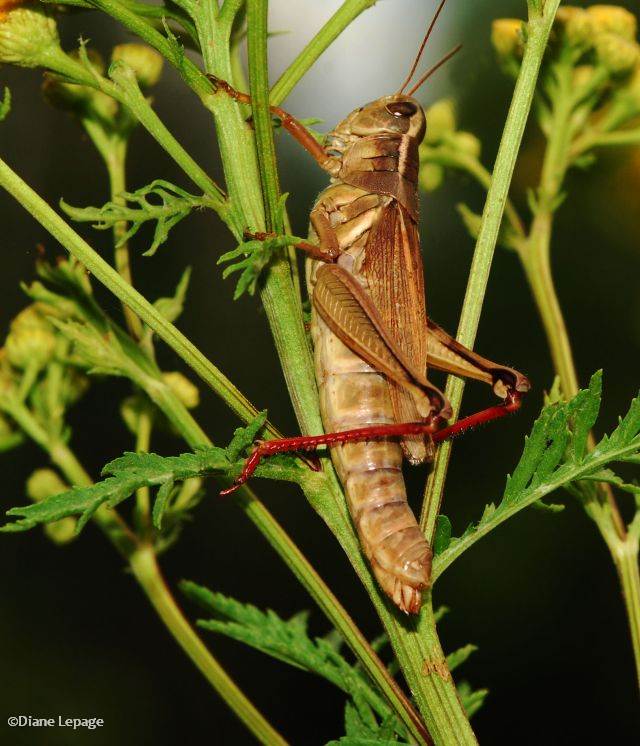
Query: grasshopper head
point(390, 115)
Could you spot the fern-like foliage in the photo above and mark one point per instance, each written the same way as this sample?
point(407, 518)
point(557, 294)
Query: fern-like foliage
point(555, 455)
point(131, 471)
point(251, 258)
point(160, 201)
point(368, 718)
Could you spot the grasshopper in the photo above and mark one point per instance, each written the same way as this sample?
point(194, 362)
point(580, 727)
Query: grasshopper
point(373, 341)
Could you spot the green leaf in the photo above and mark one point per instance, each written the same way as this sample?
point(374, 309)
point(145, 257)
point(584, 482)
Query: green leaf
point(442, 536)
point(160, 201)
point(472, 700)
point(5, 106)
point(172, 306)
point(555, 455)
point(458, 657)
point(244, 437)
point(367, 715)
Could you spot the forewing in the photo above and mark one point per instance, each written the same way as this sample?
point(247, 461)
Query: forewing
point(348, 311)
point(393, 272)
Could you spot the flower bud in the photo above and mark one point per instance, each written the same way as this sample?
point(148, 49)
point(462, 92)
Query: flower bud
point(582, 75)
point(618, 55)
point(431, 176)
point(182, 388)
point(467, 143)
point(31, 338)
point(506, 37)
point(441, 119)
point(27, 36)
point(613, 19)
point(44, 483)
point(577, 26)
point(145, 62)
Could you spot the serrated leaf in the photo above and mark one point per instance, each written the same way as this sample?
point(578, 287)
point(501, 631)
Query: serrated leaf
point(459, 656)
point(244, 437)
point(472, 700)
point(442, 535)
point(584, 409)
point(367, 715)
point(161, 503)
point(555, 455)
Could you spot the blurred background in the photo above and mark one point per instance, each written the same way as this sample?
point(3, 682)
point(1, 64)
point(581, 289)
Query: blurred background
point(539, 596)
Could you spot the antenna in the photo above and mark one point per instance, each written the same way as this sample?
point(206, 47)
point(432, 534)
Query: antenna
point(438, 65)
point(422, 46)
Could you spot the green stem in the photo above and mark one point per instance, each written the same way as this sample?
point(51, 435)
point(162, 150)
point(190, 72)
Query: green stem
point(115, 163)
point(338, 22)
point(143, 564)
point(105, 274)
point(147, 573)
point(538, 29)
point(144, 427)
point(626, 560)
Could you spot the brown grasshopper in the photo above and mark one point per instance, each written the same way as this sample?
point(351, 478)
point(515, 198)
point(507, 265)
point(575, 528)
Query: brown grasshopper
point(373, 341)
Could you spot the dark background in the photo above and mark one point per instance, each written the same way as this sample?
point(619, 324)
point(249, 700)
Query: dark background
point(539, 596)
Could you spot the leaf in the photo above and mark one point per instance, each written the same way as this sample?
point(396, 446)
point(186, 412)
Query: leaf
point(243, 437)
point(472, 700)
point(160, 201)
point(129, 472)
point(172, 306)
point(367, 714)
point(5, 106)
point(458, 657)
point(442, 535)
point(555, 455)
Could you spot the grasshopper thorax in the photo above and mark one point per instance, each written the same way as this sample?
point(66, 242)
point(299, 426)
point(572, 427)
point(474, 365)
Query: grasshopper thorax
point(376, 148)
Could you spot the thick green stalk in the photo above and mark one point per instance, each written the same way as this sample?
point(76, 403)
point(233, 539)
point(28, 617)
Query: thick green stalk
point(338, 22)
point(250, 504)
point(436, 696)
point(540, 21)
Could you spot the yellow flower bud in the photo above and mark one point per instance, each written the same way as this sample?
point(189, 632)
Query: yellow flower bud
point(145, 62)
point(467, 143)
point(617, 54)
point(29, 342)
point(577, 25)
point(441, 119)
point(613, 19)
point(182, 388)
point(44, 483)
point(27, 36)
point(431, 176)
point(507, 38)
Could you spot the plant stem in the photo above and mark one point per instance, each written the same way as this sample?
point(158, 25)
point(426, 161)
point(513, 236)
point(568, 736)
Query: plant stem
point(143, 564)
point(599, 502)
point(625, 557)
point(338, 22)
point(115, 163)
point(147, 573)
point(539, 26)
point(77, 246)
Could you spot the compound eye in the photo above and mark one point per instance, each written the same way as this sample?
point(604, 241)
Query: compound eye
point(402, 109)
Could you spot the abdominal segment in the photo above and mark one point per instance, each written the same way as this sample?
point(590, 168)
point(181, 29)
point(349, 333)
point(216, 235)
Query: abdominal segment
point(354, 395)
